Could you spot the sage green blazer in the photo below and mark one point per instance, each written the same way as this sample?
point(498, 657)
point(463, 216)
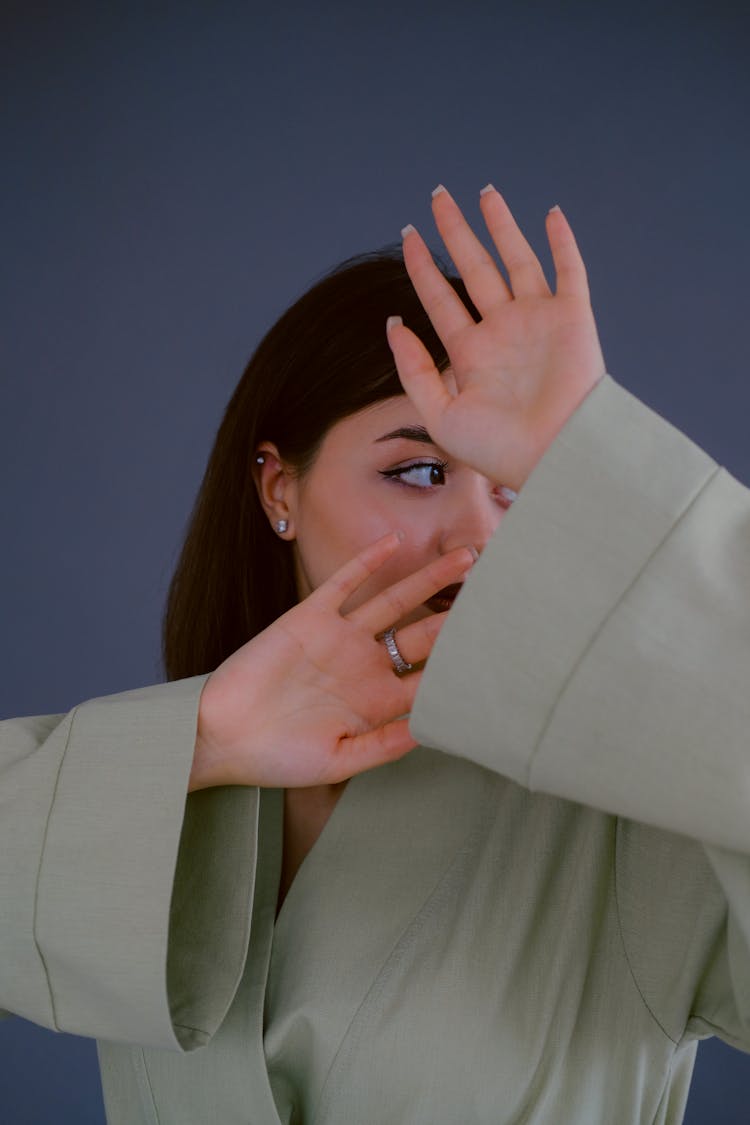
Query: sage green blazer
point(530, 918)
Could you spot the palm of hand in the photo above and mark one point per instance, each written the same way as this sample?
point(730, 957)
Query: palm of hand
point(524, 368)
point(296, 689)
point(327, 658)
point(313, 699)
point(515, 373)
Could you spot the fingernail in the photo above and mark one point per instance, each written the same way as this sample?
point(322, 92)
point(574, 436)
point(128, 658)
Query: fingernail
point(400, 535)
point(555, 208)
point(474, 552)
point(486, 189)
point(408, 229)
point(437, 190)
point(393, 322)
point(508, 493)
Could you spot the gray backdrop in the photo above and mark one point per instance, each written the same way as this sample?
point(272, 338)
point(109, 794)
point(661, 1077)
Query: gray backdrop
point(176, 174)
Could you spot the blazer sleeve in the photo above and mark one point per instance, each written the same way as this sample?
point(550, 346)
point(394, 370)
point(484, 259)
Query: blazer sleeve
point(125, 905)
point(600, 652)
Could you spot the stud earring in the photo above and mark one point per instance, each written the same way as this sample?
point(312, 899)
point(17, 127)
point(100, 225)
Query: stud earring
point(281, 526)
point(260, 459)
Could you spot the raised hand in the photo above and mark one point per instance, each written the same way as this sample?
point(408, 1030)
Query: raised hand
point(314, 698)
point(525, 367)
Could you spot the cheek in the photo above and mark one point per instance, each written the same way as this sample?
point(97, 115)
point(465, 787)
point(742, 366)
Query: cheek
point(330, 535)
point(407, 561)
point(332, 526)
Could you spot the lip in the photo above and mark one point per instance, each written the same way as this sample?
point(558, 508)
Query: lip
point(444, 599)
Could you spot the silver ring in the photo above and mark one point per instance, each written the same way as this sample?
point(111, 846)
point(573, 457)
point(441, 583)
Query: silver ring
point(400, 666)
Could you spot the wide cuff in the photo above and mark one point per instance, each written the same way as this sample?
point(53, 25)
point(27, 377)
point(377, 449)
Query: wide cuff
point(143, 901)
point(588, 638)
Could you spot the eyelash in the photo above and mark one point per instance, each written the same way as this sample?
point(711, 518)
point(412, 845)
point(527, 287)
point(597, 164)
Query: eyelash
point(396, 474)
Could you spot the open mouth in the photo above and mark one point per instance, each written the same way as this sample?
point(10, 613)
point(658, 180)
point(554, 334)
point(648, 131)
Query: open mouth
point(444, 599)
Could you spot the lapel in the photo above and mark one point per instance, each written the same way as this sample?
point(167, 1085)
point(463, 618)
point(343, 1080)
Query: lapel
point(386, 846)
point(227, 1080)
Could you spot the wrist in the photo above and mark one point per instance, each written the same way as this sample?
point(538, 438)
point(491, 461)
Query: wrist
point(203, 772)
point(211, 766)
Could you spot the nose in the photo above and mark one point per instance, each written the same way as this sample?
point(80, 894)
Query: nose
point(473, 515)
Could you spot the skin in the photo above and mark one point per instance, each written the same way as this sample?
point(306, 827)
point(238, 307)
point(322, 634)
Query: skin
point(345, 502)
point(523, 370)
point(313, 699)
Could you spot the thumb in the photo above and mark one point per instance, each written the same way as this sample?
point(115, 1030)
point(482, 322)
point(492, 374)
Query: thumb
point(374, 748)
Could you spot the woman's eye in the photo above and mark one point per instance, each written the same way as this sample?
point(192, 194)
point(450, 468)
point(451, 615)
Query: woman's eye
point(425, 474)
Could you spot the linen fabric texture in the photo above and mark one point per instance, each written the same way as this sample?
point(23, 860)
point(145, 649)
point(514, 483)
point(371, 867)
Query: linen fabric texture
point(532, 917)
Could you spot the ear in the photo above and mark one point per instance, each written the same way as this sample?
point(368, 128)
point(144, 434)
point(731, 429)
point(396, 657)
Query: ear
point(277, 489)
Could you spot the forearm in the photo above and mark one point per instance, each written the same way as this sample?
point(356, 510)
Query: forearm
point(97, 857)
point(599, 651)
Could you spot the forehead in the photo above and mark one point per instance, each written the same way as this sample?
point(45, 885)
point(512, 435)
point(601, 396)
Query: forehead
point(379, 418)
point(359, 433)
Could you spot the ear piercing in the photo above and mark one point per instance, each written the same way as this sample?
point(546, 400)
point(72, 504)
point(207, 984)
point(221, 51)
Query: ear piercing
point(281, 525)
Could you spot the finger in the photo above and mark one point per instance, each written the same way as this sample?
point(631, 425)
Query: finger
point(526, 274)
point(419, 376)
point(485, 283)
point(447, 312)
point(416, 641)
point(389, 606)
point(347, 579)
point(570, 271)
point(374, 748)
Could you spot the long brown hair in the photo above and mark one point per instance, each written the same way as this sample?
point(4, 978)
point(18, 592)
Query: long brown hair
point(326, 358)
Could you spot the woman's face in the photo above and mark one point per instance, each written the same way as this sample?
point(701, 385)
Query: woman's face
point(378, 471)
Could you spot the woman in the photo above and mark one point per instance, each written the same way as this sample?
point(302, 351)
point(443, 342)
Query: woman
point(533, 914)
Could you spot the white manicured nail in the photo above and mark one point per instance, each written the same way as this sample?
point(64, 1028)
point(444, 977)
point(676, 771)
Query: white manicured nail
point(555, 208)
point(486, 189)
point(508, 493)
point(393, 322)
point(408, 229)
point(437, 190)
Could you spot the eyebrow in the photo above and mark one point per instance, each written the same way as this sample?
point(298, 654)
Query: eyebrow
point(411, 433)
